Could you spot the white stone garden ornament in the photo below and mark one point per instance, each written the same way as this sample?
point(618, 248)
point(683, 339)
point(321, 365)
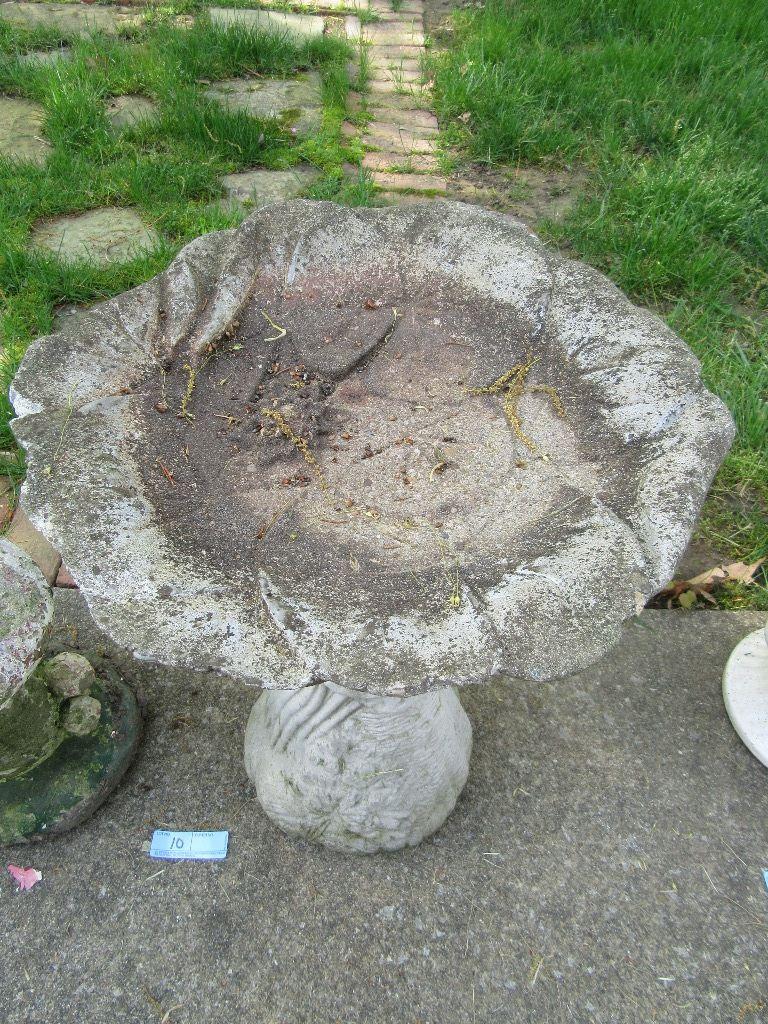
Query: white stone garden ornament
point(745, 691)
point(359, 459)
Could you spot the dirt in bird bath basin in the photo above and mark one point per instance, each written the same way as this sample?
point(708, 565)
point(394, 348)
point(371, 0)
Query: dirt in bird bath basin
point(362, 433)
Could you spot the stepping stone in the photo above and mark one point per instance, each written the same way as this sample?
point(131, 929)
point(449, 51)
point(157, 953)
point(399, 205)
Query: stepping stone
point(387, 34)
point(402, 199)
point(409, 182)
point(394, 54)
point(61, 53)
point(404, 64)
point(126, 111)
point(259, 187)
point(72, 18)
point(385, 161)
point(107, 235)
point(409, 21)
point(385, 73)
point(297, 102)
point(397, 103)
point(20, 130)
point(396, 139)
point(401, 87)
point(420, 123)
point(303, 26)
point(401, 34)
point(406, 7)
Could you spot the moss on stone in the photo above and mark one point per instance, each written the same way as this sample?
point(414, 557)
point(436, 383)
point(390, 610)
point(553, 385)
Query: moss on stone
point(30, 729)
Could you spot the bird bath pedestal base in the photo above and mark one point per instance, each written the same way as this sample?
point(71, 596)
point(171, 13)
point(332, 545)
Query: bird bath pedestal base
point(356, 772)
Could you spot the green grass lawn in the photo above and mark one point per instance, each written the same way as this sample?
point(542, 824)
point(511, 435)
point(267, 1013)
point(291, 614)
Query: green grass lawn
point(664, 104)
point(168, 168)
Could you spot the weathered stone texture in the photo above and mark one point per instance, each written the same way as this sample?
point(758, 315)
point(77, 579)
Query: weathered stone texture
point(106, 235)
point(21, 130)
point(295, 102)
point(464, 551)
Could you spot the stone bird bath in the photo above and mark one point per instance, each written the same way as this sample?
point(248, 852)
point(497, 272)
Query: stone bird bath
point(360, 459)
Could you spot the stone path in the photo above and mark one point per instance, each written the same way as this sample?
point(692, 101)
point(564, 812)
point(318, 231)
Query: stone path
point(400, 140)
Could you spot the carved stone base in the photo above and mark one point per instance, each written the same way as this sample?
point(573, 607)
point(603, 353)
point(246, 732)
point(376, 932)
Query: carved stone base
point(355, 772)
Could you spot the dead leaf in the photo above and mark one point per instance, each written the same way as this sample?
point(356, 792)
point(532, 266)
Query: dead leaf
point(687, 592)
point(737, 572)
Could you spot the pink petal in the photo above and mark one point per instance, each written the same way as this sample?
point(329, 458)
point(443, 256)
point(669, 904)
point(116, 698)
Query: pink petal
point(25, 878)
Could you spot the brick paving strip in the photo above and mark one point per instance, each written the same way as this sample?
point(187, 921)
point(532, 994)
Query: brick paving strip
point(400, 141)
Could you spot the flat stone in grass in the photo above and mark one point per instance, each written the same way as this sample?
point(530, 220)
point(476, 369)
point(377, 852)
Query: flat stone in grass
point(72, 18)
point(20, 130)
point(46, 56)
point(304, 26)
point(106, 235)
point(127, 111)
point(296, 101)
point(259, 187)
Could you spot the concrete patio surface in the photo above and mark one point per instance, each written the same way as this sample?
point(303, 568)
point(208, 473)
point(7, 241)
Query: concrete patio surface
point(604, 864)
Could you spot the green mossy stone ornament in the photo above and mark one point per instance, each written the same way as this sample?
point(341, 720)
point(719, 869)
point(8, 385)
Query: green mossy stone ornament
point(76, 779)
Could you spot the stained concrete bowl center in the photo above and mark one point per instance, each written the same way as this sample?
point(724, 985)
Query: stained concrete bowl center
point(360, 459)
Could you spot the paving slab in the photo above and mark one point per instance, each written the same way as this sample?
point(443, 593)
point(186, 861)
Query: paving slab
point(107, 235)
point(61, 53)
point(390, 99)
point(399, 140)
point(391, 72)
point(383, 161)
point(603, 865)
point(403, 182)
point(127, 111)
point(297, 102)
point(396, 53)
point(259, 187)
point(393, 34)
point(418, 120)
point(21, 130)
point(74, 19)
point(303, 26)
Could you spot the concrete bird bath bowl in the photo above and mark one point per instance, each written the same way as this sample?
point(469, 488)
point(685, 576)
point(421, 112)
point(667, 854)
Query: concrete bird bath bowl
point(360, 459)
